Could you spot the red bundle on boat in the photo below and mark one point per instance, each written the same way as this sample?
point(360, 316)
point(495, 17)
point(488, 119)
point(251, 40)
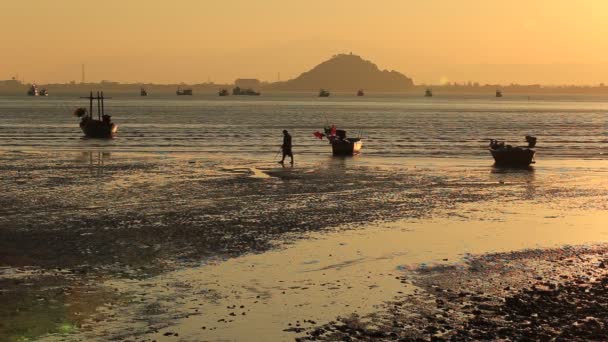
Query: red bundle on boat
point(319, 135)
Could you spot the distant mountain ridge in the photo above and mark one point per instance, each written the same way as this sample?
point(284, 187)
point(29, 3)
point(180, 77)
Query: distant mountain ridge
point(346, 72)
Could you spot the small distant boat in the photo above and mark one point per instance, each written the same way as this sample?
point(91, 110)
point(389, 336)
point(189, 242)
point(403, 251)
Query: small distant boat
point(102, 127)
point(33, 91)
point(223, 92)
point(43, 92)
point(518, 156)
point(143, 92)
point(181, 91)
point(428, 93)
point(323, 93)
point(360, 93)
point(498, 93)
point(248, 91)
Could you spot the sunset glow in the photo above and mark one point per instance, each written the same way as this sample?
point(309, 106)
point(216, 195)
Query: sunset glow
point(557, 42)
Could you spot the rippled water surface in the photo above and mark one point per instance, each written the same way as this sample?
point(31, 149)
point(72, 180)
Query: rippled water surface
point(396, 126)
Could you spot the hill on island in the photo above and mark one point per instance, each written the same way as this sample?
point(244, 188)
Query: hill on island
point(346, 72)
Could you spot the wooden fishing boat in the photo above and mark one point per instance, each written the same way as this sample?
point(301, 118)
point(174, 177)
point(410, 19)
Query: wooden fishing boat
point(248, 91)
point(346, 147)
point(181, 91)
point(223, 92)
point(323, 93)
point(498, 93)
point(340, 144)
point(513, 156)
point(428, 93)
point(360, 93)
point(143, 92)
point(102, 127)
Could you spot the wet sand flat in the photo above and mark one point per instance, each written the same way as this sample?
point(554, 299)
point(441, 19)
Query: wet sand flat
point(147, 246)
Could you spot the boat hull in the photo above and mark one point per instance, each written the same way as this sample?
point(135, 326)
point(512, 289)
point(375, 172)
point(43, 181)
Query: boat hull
point(98, 129)
point(346, 148)
point(513, 157)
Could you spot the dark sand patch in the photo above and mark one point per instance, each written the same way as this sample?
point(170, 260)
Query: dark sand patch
point(530, 295)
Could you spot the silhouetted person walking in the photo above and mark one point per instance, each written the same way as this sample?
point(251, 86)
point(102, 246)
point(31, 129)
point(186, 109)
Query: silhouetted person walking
point(286, 147)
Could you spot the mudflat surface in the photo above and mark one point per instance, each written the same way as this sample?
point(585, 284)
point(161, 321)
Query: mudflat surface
point(167, 246)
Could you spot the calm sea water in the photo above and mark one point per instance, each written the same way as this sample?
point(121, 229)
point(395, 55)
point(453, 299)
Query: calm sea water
point(572, 127)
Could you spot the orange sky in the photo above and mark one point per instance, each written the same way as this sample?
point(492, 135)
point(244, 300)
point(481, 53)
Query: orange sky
point(531, 41)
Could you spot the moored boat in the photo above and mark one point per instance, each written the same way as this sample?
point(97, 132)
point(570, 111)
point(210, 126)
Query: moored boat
point(514, 156)
point(143, 92)
point(360, 93)
point(33, 91)
point(340, 144)
point(498, 93)
point(43, 92)
point(181, 91)
point(323, 93)
point(248, 91)
point(223, 92)
point(428, 93)
point(102, 127)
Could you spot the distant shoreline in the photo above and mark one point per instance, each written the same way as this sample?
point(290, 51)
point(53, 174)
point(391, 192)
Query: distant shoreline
point(211, 88)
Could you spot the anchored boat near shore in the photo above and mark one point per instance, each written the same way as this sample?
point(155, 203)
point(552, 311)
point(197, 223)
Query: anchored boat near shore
point(340, 144)
point(514, 156)
point(323, 93)
point(102, 127)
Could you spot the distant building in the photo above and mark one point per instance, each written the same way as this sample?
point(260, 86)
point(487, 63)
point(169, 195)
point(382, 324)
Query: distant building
point(109, 83)
point(247, 83)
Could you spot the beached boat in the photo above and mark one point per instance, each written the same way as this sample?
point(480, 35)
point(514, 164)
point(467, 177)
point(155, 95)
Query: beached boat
point(181, 91)
point(102, 127)
point(324, 93)
point(498, 93)
point(143, 92)
point(248, 91)
point(340, 144)
point(428, 93)
point(223, 92)
point(514, 156)
point(360, 93)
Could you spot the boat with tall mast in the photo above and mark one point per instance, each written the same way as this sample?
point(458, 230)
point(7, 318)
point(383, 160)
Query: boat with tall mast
point(102, 127)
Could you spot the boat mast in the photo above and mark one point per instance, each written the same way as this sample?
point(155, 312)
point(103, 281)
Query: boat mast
point(98, 108)
point(91, 105)
point(102, 111)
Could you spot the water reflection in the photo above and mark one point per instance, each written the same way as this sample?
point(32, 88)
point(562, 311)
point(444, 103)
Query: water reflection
point(516, 175)
point(96, 161)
